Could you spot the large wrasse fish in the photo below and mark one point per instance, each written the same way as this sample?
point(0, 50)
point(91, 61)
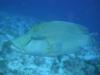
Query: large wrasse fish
point(53, 38)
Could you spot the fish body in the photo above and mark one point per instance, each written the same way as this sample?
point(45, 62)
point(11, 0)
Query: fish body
point(53, 38)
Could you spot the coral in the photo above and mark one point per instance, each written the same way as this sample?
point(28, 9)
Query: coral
point(15, 62)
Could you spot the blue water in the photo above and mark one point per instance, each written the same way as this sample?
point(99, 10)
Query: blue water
point(85, 12)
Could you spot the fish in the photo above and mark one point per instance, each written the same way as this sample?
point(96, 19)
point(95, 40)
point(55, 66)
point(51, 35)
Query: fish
point(53, 38)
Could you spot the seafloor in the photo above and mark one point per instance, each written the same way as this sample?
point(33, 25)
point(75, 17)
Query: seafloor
point(16, 63)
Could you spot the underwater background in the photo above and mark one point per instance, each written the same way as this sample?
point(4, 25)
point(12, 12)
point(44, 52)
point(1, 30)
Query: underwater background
point(18, 16)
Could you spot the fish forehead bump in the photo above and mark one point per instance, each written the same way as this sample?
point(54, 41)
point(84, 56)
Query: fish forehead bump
point(56, 27)
point(54, 24)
